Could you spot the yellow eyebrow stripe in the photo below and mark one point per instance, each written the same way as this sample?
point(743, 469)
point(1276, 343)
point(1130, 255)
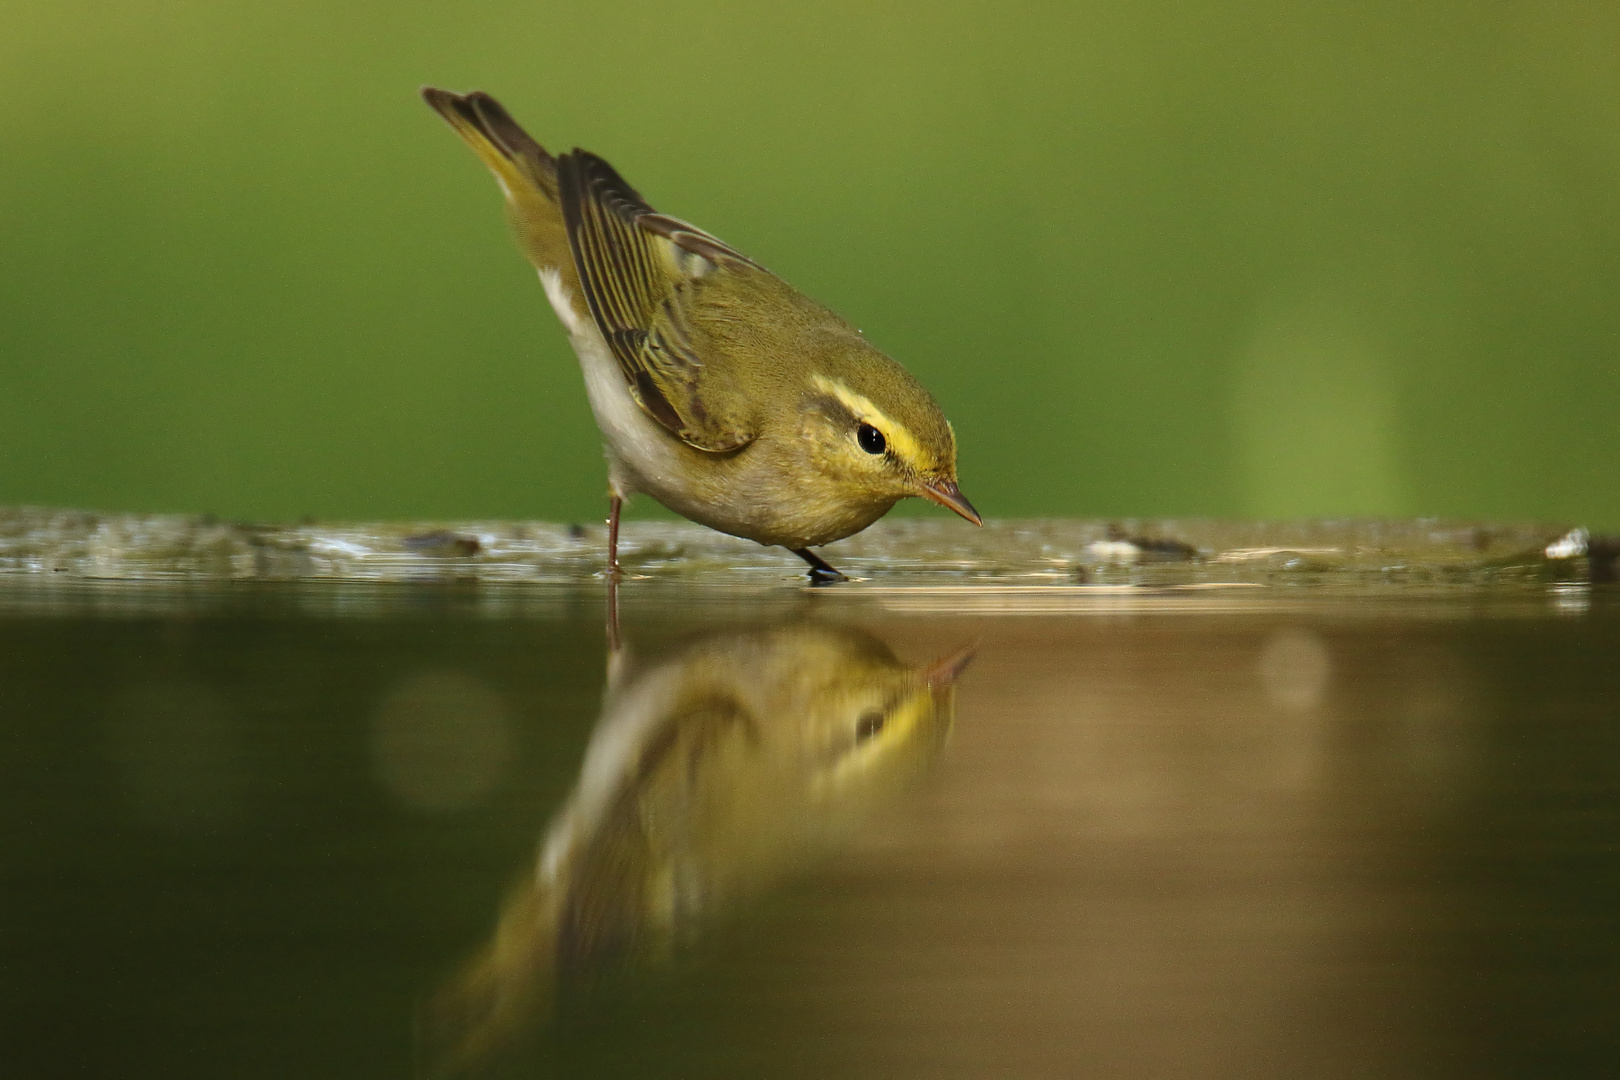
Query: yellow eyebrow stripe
point(904, 444)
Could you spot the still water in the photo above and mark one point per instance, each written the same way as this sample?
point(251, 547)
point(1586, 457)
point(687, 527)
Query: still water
point(339, 830)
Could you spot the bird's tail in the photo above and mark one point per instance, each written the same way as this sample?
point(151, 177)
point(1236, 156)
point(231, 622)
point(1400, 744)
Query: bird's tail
point(517, 161)
point(508, 988)
point(526, 172)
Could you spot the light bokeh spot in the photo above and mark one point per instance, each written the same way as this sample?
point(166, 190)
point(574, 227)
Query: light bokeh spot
point(1295, 669)
point(441, 740)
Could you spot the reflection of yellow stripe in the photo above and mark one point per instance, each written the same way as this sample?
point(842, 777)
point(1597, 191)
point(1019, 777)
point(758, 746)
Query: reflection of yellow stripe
point(904, 723)
point(900, 440)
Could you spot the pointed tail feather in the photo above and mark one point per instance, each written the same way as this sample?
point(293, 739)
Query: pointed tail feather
point(518, 162)
point(526, 173)
point(506, 990)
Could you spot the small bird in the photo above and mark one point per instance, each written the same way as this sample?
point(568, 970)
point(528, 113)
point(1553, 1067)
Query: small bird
point(713, 773)
point(721, 391)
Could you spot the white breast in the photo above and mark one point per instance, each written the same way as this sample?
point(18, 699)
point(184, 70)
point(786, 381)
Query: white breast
point(640, 452)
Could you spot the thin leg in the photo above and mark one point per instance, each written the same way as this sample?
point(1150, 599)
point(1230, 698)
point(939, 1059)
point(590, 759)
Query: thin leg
point(615, 505)
point(614, 641)
point(821, 571)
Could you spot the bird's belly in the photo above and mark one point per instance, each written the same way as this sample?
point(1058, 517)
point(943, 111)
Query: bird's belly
point(643, 456)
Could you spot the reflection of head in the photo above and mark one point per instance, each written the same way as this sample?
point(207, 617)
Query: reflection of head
point(710, 775)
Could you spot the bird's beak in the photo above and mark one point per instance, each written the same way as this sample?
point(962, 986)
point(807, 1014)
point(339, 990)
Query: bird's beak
point(942, 673)
point(948, 495)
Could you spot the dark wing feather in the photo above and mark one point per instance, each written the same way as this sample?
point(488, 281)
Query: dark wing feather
point(637, 292)
point(694, 240)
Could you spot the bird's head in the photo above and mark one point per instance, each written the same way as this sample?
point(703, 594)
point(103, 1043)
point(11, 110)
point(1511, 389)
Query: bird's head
point(874, 429)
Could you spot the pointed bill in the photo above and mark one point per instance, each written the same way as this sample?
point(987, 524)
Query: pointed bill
point(948, 495)
point(943, 673)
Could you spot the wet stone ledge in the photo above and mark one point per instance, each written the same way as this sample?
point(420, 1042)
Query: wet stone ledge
point(39, 543)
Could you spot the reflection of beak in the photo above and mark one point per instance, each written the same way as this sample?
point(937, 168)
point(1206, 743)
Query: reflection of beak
point(943, 672)
point(948, 495)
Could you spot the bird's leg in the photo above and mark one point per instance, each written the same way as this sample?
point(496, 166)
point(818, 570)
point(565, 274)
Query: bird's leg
point(615, 642)
point(821, 571)
point(614, 505)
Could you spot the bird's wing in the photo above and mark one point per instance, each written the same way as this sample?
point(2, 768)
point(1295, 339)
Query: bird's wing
point(640, 272)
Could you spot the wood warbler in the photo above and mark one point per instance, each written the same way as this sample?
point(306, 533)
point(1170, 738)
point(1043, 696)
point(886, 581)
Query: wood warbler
point(721, 391)
point(712, 774)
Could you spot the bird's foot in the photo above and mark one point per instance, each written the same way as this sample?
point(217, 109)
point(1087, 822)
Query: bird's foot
point(821, 571)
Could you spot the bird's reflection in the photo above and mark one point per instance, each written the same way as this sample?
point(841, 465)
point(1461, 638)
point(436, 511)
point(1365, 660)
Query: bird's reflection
point(711, 774)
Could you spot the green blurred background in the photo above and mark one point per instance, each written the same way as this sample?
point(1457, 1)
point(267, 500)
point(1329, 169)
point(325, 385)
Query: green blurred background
point(1236, 259)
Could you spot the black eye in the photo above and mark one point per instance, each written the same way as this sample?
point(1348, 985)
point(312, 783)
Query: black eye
point(871, 723)
point(871, 439)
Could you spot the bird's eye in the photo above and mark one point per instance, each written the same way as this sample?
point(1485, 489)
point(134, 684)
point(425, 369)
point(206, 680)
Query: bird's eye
point(871, 439)
point(869, 724)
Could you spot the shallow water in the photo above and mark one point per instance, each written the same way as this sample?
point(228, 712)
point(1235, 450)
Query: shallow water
point(357, 830)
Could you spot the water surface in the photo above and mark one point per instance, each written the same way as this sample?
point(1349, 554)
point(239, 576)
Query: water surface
point(895, 830)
